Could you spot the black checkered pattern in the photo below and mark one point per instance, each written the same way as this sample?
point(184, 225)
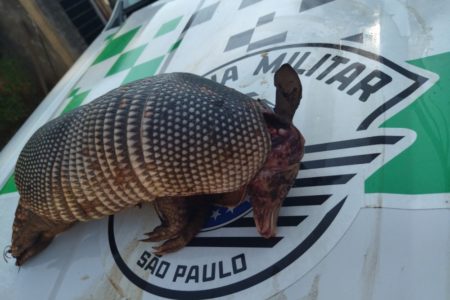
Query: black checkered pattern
point(244, 38)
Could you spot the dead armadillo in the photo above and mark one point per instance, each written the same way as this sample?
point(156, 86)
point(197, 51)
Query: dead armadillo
point(179, 140)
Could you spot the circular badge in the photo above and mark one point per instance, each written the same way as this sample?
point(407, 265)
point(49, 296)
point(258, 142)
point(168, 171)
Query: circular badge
point(346, 91)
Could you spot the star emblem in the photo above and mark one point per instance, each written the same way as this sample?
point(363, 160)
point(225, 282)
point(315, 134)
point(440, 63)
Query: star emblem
point(215, 214)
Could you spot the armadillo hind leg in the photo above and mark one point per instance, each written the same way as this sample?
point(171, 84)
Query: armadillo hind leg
point(231, 199)
point(32, 234)
point(181, 219)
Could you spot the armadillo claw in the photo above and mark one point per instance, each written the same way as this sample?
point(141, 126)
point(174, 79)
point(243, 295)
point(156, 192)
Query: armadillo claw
point(172, 245)
point(158, 234)
point(182, 219)
point(180, 238)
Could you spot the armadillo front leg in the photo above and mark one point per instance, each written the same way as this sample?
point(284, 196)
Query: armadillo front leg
point(181, 219)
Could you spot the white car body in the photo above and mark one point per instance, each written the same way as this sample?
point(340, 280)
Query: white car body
point(368, 217)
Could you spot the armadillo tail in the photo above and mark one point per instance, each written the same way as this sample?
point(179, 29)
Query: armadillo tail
point(32, 234)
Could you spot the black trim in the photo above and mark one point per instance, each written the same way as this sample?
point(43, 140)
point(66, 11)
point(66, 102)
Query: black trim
point(281, 222)
point(418, 79)
point(391, 102)
point(357, 38)
point(305, 200)
point(322, 180)
point(231, 288)
point(361, 142)
point(235, 242)
point(338, 161)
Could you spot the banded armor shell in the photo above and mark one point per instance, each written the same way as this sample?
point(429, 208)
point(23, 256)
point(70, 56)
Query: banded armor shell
point(169, 135)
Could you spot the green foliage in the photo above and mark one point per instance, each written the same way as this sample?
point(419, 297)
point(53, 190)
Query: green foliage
point(16, 95)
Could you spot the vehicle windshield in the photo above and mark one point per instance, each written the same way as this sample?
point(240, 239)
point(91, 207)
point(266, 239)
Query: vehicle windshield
point(124, 9)
point(128, 3)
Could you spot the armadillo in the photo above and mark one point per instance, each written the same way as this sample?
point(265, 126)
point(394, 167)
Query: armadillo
point(178, 140)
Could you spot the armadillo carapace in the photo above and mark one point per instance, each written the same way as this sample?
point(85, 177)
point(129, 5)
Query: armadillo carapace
point(171, 137)
point(168, 135)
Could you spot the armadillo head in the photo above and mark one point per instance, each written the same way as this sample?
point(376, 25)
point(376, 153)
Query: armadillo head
point(272, 183)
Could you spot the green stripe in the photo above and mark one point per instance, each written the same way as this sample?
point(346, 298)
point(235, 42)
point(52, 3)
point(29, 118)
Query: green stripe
point(168, 26)
point(126, 60)
point(175, 46)
point(9, 187)
point(423, 168)
point(75, 102)
point(109, 37)
point(73, 92)
point(144, 70)
point(116, 45)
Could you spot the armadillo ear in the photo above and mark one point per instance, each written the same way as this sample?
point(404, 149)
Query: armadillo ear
point(289, 91)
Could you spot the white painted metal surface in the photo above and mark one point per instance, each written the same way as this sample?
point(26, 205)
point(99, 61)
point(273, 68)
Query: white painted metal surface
point(371, 204)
